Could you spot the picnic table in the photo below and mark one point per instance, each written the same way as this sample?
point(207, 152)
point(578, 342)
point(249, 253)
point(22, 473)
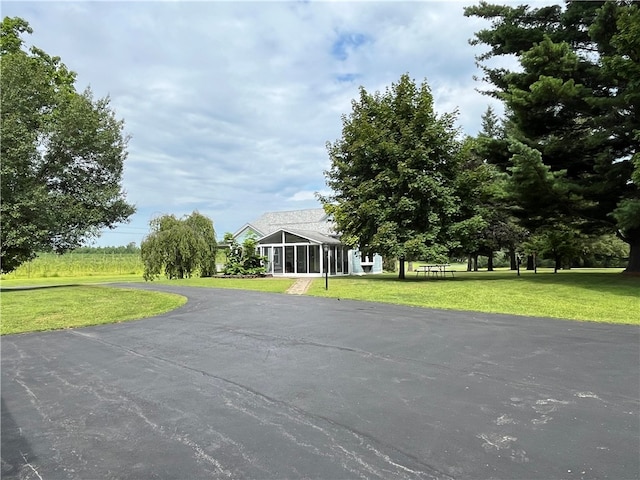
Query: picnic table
point(435, 269)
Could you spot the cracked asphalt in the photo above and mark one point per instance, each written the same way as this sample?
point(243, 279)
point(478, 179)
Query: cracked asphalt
point(251, 385)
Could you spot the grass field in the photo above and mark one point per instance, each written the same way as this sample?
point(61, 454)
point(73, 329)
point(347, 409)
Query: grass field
point(595, 295)
point(50, 265)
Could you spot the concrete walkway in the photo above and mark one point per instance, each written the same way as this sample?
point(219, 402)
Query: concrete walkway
point(300, 286)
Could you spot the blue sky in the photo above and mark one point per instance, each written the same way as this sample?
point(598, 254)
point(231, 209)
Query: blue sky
point(230, 104)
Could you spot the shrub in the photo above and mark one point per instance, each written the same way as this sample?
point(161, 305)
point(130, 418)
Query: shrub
point(243, 260)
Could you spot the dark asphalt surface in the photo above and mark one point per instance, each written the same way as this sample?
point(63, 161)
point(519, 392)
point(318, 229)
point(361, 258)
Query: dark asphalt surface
point(249, 385)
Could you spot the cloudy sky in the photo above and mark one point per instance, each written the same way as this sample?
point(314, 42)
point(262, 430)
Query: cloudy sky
point(230, 104)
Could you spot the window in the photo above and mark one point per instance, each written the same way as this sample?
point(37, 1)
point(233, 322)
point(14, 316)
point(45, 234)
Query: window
point(332, 260)
point(266, 252)
point(345, 260)
point(291, 238)
point(301, 259)
point(314, 258)
point(288, 259)
point(277, 259)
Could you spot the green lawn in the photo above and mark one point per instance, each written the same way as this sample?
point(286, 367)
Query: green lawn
point(581, 294)
point(593, 295)
point(51, 308)
point(53, 303)
point(276, 285)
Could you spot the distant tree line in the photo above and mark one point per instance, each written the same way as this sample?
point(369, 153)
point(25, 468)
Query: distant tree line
point(130, 248)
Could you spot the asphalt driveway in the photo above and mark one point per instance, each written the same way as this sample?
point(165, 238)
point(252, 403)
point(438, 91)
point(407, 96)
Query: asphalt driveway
point(249, 385)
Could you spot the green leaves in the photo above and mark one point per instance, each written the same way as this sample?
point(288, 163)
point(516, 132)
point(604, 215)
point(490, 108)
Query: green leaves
point(62, 155)
point(179, 248)
point(243, 259)
point(392, 173)
point(574, 100)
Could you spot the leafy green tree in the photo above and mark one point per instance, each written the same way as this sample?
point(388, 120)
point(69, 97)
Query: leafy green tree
point(392, 175)
point(575, 101)
point(487, 222)
point(62, 155)
point(561, 243)
point(602, 251)
point(179, 248)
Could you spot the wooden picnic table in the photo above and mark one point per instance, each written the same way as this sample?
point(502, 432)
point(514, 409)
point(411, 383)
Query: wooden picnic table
point(435, 269)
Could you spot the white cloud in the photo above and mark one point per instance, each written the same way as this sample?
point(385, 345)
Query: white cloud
point(305, 195)
point(230, 104)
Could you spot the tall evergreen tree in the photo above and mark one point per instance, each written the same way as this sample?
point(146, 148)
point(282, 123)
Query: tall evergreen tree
point(574, 102)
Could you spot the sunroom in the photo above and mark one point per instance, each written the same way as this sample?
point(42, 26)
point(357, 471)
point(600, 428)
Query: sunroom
point(303, 253)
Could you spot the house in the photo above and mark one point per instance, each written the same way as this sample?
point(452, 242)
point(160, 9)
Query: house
point(303, 243)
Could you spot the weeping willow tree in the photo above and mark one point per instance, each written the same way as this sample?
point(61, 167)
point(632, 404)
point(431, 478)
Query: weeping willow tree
point(179, 247)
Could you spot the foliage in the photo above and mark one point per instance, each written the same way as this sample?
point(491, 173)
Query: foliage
point(62, 155)
point(243, 260)
point(130, 248)
point(602, 251)
point(487, 222)
point(559, 243)
point(392, 174)
point(178, 248)
point(572, 112)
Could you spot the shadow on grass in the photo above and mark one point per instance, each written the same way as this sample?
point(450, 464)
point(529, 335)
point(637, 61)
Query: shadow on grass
point(611, 283)
point(37, 287)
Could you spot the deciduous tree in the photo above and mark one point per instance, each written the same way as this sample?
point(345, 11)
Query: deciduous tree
point(392, 174)
point(179, 247)
point(62, 155)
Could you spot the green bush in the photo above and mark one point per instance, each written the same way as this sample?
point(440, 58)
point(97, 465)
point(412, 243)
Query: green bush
point(243, 260)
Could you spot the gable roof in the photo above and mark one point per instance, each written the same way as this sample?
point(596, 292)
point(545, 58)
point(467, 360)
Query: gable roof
point(246, 229)
point(310, 220)
point(312, 236)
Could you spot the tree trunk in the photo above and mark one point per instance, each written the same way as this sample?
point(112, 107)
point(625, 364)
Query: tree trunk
point(558, 264)
point(512, 259)
point(633, 239)
point(469, 263)
point(410, 267)
point(490, 262)
point(475, 262)
point(401, 275)
point(530, 262)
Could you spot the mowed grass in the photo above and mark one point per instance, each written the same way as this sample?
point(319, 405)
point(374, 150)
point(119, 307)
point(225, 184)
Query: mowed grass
point(51, 303)
point(266, 284)
point(52, 308)
point(593, 295)
point(581, 294)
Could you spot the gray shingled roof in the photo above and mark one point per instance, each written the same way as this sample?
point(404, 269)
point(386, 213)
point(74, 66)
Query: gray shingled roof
point(310, 220)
